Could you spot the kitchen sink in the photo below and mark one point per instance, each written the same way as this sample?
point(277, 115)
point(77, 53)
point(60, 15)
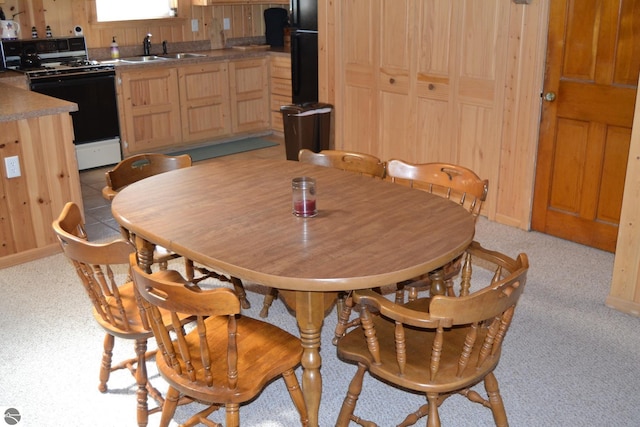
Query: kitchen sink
point(146, 58)
point(183, 55)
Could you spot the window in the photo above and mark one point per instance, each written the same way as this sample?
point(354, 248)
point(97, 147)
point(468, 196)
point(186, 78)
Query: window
point(127, 10)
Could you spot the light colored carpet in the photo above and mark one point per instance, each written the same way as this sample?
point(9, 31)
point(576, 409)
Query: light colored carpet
point(568, 360)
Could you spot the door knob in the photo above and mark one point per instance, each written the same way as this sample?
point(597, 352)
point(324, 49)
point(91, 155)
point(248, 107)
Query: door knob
point(550, 96)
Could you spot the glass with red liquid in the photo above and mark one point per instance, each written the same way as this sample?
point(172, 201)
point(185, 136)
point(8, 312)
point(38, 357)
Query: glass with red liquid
point(304, 196)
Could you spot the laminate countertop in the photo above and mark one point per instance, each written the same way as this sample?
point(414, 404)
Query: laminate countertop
point(204, 56)
point(19, 104)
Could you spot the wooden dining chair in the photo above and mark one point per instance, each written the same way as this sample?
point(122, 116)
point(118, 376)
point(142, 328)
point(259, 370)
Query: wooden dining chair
point(227, 360)
point(138, 167)
point(446, 350)
point(103, 270)
point(363, 164)
point(141, 166)
point(456, 183)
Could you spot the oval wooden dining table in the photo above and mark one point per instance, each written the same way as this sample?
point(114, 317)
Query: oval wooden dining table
point(235, 216)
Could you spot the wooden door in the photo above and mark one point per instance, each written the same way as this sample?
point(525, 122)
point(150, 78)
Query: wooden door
point(593, 59)
point(396, 77)
point(358, 56)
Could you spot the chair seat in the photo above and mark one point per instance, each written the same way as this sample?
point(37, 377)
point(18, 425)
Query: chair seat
point(267, 352)
point(352, 347)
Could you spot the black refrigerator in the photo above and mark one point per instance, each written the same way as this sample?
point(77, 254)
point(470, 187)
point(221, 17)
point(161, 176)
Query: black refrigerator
point(304, 51)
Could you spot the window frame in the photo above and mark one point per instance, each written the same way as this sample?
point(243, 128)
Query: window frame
point(171, 11)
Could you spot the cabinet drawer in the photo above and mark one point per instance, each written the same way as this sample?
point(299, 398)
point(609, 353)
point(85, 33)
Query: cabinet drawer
point(277, 123)
point(281, 68)
point(278, 101)
point(281, 87)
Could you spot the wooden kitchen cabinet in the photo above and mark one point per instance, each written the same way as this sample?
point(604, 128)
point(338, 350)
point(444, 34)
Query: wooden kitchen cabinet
point(149, 108)
point(162, 108)
point(204, 101)
point(249, 92)
point(280, 78)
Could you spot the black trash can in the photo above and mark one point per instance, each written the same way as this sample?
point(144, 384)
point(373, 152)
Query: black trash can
point(306, 126)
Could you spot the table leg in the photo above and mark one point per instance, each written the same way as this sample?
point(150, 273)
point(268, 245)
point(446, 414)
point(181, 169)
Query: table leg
point(310, 316)
point(145, 253)
point(437, 282)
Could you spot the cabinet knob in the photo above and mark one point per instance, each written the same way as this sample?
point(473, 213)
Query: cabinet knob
point(392, 80)
point(550, 96)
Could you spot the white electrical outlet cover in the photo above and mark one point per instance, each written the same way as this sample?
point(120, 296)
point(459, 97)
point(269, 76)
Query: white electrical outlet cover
point(226, 24)
point(194, 25)
point(12, 166)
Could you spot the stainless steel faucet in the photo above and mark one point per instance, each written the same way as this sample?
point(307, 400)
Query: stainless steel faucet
point(146, 45)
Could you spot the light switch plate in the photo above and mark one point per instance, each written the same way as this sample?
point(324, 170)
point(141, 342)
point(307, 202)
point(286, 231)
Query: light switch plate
point(194, 25)
point(226, 24)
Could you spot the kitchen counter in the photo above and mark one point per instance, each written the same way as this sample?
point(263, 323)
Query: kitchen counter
point(208, 56)
point(37, 131)
point(26, 104)
point(13, 78)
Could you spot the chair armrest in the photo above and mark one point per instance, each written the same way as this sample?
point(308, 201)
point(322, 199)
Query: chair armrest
point(397, 312)
point(108, 193)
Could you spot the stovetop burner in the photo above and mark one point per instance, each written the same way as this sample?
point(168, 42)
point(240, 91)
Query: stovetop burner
point(66, 70)
point(30, 69)
point(78, 62)
point(60, 56)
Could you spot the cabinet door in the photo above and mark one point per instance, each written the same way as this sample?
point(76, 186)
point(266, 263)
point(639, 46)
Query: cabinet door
point(149, 109)
point(204, 101)
point(249, 95)
point(280, 73)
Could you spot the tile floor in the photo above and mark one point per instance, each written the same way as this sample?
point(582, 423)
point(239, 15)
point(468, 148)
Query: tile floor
point(100, 224)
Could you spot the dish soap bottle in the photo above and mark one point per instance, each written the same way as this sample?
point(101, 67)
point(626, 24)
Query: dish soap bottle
point(115, 52)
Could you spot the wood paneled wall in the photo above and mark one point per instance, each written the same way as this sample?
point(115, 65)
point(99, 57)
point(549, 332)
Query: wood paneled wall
point(625, 285)
point(49, 178)
point(63, 15)
point(456, 81)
